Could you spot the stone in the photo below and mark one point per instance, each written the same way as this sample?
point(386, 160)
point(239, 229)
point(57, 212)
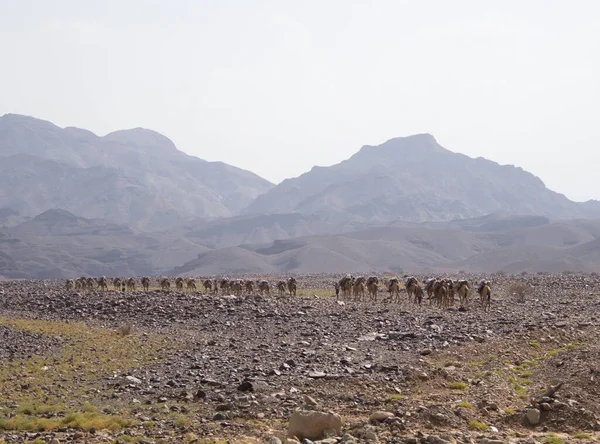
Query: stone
point(312, 424)
point(380, 416)
point(533, 416)
point(245, 386)
point(310, 400)
point(370, 436)
point(133, 379)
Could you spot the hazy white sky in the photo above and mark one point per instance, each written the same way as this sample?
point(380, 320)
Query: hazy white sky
point(279, 86)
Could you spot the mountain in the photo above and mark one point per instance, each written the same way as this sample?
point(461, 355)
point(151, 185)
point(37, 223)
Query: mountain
point(136, 177)
point(415, 179)
point(57, 244)
point(488, 244)
point(254, 229)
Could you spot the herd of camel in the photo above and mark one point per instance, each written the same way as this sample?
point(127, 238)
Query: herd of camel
point(227, 286)
point(440, 291)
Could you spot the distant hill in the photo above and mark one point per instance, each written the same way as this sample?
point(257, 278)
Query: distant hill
point(488, 244)
point(415, 179)
point(57, 243)
point(136, 177)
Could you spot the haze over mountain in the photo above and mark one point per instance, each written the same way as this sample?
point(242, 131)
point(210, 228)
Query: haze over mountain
point(415, 179)
point(136, 176)
point(488, 244)
point(130, 203)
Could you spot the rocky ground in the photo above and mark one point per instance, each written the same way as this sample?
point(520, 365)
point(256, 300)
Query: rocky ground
point(95, 366)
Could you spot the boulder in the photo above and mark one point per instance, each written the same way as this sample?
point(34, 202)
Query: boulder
point(312, 424)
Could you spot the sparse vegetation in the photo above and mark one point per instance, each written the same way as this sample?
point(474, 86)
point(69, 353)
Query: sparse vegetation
point(478, 425)
point(458, 386)
point(136, 386)
point(520, 290)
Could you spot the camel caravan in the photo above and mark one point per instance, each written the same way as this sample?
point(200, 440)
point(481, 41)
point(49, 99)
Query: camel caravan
point(236, 287)
point(441, 292)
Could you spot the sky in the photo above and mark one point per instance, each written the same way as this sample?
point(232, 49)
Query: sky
point(276, 87)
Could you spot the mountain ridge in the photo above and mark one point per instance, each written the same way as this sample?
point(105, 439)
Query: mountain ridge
point(135, 176)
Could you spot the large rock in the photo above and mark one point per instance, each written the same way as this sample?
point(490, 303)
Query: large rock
point(533, 416)
point(380, 416)
point(311, 424)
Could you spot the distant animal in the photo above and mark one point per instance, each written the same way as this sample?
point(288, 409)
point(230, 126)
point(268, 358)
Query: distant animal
point(207, 285)
point(224, 284)
point(440, 293)
point(145, 283)
point(130, 284)
point(179, 283)
point(102, 283)
point(90, 283)
point(69, 284)
point(485, 295)
point(373, 287)
point(281, 287)
point(190, 284)
point(336, 287)
point(291, 285)
point(236, 287)
point(429, 286)
point(462, 290)
point(393, 287)
point(411, 285)
point(358, 288)
point(164, 283)
point(263, 287)
point(249, 287)
point(346, 284)
point(116, 284)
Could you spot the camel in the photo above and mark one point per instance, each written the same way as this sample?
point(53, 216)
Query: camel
point(207, 283)
point(263, 287)
point(145, 283)
point(393, 287)
point(485, 295)
point(69, 284)
point(130, 284)
point(429, 286)
point(236, 287)
point(281, 287)
point(224, 285)
point(164, 283)
point(372, 287)
point(102, 283)
point(411, 286)
point(249, 287)
point(90, 283)
point(116, 284)
point(291, 285)
point(440, 293)
point(462, 290)
point(346, 284)
point(358, 289)
point(179, 283)
point(190, 284)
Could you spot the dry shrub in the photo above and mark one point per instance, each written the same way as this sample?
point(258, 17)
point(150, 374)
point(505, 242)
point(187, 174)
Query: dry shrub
point(521, 290)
